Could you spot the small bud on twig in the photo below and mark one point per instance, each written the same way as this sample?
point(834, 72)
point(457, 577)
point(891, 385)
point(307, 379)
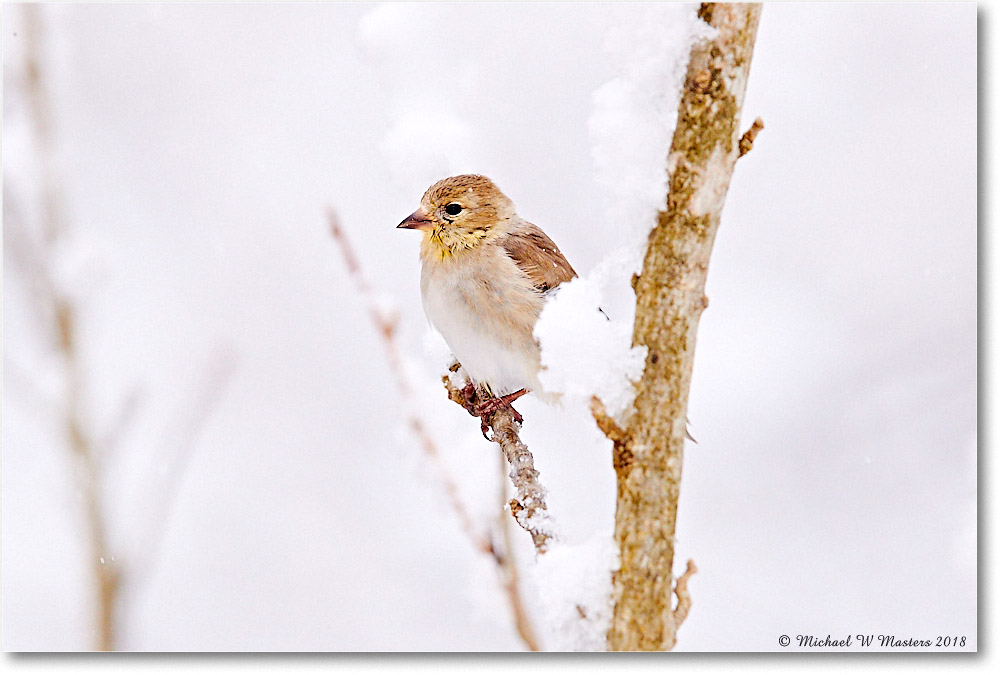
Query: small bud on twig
point(746, 141)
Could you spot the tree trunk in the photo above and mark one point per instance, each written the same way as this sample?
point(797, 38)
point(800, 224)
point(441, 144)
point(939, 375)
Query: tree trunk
point(670, 297)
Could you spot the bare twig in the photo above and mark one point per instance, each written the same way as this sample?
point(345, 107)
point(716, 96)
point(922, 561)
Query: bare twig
point(60, 317)
point(32, 250)
point(20, 383)
point(103, 564)
point(27, 258)
point(605, 422)
point(179, 440)
point(386, 324)
point(82, 448)
point(38, 101)
point(508, 563)
point(128, 410)
point(683, 595)
point(528, 505)
point(746, 140)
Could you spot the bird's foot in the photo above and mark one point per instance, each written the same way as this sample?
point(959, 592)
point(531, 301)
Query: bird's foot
point(469, 394)
point(484, 409)
point(491, 405)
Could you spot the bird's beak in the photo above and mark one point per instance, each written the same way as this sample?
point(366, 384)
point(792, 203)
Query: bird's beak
point(417, 220)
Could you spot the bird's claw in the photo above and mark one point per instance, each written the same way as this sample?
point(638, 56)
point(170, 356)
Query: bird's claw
point(469, 394)
point(485, 409)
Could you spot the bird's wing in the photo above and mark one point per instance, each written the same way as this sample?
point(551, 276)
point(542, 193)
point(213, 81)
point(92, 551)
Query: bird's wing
point(538, 257)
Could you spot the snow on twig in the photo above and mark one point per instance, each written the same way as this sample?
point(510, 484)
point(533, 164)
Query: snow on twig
point(528, 504)
point(384, 319)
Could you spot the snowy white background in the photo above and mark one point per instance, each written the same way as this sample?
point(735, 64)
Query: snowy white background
point(833, 489)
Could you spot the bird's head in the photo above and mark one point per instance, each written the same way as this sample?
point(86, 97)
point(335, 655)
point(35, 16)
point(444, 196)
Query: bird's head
point(459, 213)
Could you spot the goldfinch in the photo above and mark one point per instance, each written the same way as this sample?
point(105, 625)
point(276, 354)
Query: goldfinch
point(485, 274)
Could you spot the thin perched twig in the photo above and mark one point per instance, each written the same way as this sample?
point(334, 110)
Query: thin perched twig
point(528, 505)
point(387, 324)
point(508, 562)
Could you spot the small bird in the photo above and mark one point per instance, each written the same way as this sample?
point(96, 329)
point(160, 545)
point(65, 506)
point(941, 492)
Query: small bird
point(485, 275)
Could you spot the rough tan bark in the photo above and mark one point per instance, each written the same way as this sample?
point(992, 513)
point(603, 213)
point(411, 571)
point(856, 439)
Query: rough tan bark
point(670, 297)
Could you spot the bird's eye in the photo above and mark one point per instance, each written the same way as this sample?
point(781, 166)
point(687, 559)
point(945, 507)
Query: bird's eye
point(453, 209)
